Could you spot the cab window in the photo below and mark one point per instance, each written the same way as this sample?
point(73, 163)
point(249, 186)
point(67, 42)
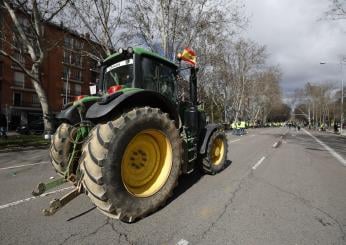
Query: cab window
point(158, 77)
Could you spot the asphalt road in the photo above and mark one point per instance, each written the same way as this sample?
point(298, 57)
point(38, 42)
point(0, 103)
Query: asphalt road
point(293, 194)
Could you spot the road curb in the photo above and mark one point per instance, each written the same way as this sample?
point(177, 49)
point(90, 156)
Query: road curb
point(23, 148)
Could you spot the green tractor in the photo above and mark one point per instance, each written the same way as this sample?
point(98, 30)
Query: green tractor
point(126, 146)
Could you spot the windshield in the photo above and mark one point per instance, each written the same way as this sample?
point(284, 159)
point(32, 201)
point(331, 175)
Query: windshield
point(120, 73)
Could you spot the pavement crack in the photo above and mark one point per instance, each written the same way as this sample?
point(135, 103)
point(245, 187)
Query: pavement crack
point(121, 234)
point(83, 236)
point(227, 204)
point(68, 238)
point(308, 204)
point(96, 230)
point(108, 222)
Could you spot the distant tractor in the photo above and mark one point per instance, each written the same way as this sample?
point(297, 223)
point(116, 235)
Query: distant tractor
point(126, 147)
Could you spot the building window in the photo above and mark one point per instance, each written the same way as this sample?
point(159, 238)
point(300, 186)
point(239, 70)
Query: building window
point(72, 74)
point(77, 44)
point(67, 57)
point(65, 100)
point(78, 89)
point(67, 86)
point(35, 99)
point(72, 59)
point(20, 57)
point(66, 73)
point(76, 75)
point(79, 76)
point(72, 43)
point(19, 79)
point(68, 42)
point(78, 60)
point(17, 99)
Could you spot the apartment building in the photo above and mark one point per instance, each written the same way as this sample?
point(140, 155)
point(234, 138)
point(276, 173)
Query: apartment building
point(67, 72)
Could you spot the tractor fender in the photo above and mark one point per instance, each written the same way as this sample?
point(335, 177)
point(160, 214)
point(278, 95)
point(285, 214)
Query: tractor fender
point(69, 114)
point(71, 111)
point(105, 111)
point(206, 134)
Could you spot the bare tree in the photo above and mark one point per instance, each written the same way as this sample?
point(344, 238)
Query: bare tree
point(243, 60)
point(337, 10)
point(29, 20)
point(240, 85)
point(167, 26)
point(317, 103)
point(102, 19)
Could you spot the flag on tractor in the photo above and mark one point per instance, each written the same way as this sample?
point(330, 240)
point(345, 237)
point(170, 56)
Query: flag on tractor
point(188, 55)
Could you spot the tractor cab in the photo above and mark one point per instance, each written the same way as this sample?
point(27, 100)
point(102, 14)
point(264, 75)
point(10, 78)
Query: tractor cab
point(140, 69)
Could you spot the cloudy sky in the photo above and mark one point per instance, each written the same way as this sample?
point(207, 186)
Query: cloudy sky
point(298, 38)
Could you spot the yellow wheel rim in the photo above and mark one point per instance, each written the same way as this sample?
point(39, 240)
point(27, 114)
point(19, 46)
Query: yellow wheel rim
point(146, 163)
point(217, 151)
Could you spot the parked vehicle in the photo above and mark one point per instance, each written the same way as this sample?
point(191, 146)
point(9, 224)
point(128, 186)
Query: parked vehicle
point(34, 127)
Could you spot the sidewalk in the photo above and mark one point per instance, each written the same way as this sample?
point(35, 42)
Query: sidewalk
point(330, 131)
point(19, 142)
point(12, 133)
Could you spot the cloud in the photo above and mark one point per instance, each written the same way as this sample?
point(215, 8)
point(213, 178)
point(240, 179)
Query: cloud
point(298, 38)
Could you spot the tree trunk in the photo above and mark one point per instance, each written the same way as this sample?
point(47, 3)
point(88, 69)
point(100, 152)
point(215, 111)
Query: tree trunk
point(47, 117)
point(240, 103)
point(212, 112)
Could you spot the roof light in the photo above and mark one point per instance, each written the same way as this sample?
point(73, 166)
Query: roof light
point(120, 51)
point(130, 50)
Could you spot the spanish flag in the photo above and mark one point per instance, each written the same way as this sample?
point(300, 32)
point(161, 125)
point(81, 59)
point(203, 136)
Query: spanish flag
point(188, 55)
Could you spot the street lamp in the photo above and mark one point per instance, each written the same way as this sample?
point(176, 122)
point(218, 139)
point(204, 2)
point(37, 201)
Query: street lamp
point(342, 62)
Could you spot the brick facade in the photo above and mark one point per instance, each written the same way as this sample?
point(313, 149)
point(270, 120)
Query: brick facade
point(66, 63)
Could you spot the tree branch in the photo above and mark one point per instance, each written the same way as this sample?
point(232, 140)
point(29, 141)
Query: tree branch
point(22, 67)
point(51, 17)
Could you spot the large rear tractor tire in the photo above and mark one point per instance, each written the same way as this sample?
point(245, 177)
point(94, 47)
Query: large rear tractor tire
point(60, 147)
point(131, 165)
point(215, 159)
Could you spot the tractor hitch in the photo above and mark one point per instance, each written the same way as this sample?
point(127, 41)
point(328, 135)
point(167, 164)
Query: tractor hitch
point(57, 204)
point(43, 187)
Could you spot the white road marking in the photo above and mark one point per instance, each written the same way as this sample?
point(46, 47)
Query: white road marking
point(252, 135)
point(11, 204)
point(234, 141)
point(182, 242)
point(24, 165)
point(330, 150)
point(258, 163)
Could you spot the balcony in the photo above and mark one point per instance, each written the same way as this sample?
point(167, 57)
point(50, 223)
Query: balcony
point(26, 105)
point(78, 66)
point(73, 79)
point(19, 87)
point(69, 94)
